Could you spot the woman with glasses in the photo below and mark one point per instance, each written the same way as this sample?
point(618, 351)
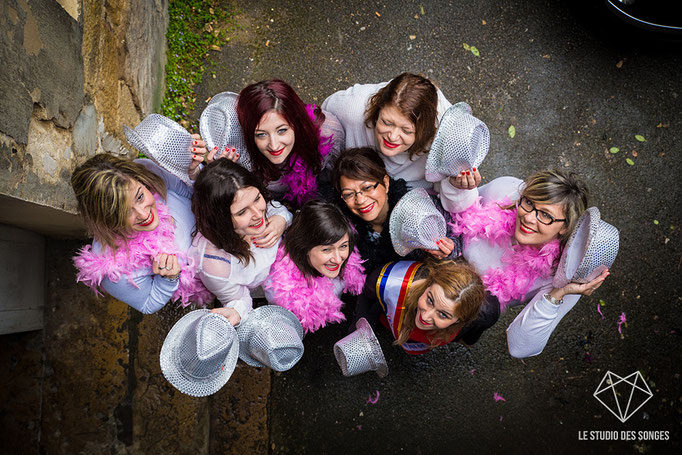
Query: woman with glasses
point(399, 118)
point(513, 234)
point(367, 194)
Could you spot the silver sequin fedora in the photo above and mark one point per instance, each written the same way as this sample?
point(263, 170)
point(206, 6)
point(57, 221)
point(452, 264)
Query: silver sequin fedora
point(416, 223)
point(271, 337)
point(461, 143)
point(199, 353)
point(360, 351)
point(591, 249)
point(165, 142)
point(219, 127)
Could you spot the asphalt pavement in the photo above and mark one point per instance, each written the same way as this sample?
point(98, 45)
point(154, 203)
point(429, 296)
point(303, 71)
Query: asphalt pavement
point(574, 87)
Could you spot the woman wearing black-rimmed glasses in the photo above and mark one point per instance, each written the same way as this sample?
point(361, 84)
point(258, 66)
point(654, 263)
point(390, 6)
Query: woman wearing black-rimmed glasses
point(513, 235)
point(367, 194)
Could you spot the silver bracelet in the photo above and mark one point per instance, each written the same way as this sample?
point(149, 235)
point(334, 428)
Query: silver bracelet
point(553, 301)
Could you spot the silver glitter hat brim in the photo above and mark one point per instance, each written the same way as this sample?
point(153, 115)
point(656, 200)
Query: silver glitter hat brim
point(360, 352)
point(180, 380)
point(461, 143)
point(246, 329)
point(165, 142)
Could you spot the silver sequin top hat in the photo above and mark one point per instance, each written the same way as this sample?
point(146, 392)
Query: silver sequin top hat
point(461, 143)
point(219, 127)
point(360, 352)
point(591, 249)
point(165, 142)
point(199, 353)
point(416, 223)
point(271, 337)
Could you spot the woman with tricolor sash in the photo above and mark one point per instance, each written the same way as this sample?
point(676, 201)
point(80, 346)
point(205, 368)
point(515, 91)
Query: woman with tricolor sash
point(427, 304)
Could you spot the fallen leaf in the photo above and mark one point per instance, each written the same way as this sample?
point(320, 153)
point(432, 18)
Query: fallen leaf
point(466, 46)
point(421, 9)
point(614, 150)
point(215, 48)
point(377, 13)
point(475, 51)
point(512, 131)
point(656, 222)
point(267, 43)
point(619, 64)
point(634, 153)
point(640, 138)
point(483, 22)
point(546, 56)
point(413, 36)
point(416, 16)
point(629, 161)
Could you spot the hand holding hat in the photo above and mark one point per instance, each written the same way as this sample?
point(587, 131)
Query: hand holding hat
point(416, 223)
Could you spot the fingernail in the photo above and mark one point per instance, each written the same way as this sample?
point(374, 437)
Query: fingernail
point(194, 156)
point(195, 142)
point(227, 149)
point(468, 173)
point(237, 155)
point(233, 149)
point(474, 169)
point(194, 150)
point(462, 172)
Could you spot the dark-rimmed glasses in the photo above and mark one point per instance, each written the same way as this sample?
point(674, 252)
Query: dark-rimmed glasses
point(366, 189)
point(540, 215)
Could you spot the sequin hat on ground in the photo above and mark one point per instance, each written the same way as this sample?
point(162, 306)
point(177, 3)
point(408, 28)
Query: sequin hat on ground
point(360, 351)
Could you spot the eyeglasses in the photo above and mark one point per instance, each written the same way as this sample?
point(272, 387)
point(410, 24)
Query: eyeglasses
point(540, 215)
point(366, 189)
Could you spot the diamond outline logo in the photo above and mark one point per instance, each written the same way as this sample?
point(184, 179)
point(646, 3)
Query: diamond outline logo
point(608, 382)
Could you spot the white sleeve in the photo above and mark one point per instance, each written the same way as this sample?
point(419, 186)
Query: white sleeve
point(276, 208)
point(455, 200)
point(148, 294)
point(215, 274)
point(528, 334)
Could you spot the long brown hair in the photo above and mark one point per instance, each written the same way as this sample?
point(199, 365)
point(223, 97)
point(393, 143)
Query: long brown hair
point(101, 186)
point(417, 99)
point(214, 192)
point(460, 283)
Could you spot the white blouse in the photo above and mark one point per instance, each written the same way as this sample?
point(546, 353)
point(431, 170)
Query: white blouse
point(230, 279)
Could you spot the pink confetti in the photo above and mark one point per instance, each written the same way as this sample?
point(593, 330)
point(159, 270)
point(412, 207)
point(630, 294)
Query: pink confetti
point(374, 400)
point(359, 427)
point(622, 320)
point(599, 311)
point(472, 371)
point(500, 418)
point(498, 397)
point(587, 357)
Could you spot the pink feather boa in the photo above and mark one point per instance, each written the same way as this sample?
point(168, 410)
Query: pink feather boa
point(301, 182)
point(141, 250)
point(522, 264)
point(314, 303)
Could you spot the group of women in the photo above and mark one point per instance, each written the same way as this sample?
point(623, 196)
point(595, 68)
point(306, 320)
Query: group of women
point(307, 220)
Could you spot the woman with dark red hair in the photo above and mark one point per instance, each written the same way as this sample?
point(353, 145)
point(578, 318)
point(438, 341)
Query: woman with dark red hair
point(290, 144)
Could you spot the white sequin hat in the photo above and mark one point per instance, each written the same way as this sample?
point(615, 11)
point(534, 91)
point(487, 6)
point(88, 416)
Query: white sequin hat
point(271, 337)
point(163, 141)
point(219, 127)
point(360, 351)
point(199, 353)
point(591, 249)
point(416, 223)
point(461, 143)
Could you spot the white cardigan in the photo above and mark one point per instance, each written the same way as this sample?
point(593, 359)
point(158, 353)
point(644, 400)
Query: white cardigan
point(528, 334)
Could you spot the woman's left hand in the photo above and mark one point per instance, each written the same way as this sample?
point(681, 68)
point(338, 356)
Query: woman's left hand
point(580, 288)
point(197, 149)
point(273, 232)
point(445, 247)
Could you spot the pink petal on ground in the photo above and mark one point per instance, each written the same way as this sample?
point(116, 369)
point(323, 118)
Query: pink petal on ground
point(621, 320)
point(359, 427)
point(472, 371)
point(498, 397)
point(374, 400)
point(599, 311)
point(500, 418)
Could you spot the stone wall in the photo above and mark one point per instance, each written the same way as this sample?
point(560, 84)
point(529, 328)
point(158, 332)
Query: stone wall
point(72, 74)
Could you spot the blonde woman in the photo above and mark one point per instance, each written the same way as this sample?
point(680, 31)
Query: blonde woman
point(141, 220)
